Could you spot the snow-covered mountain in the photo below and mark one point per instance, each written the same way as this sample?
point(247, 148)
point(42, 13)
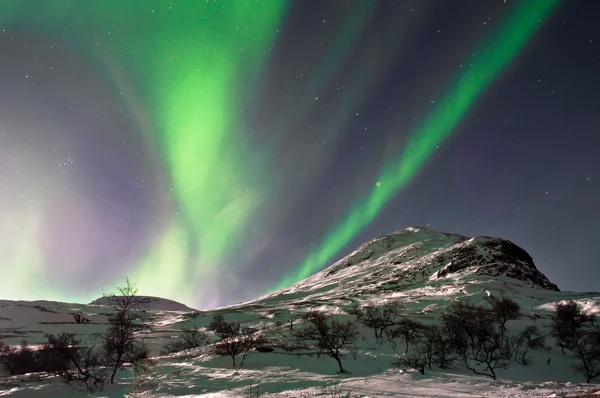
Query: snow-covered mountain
point(418, 257)
point(425, 269)
point(419, 266)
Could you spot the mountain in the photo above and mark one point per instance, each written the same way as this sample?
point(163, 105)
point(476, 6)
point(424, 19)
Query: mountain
point(421, 260)
point(425, 269)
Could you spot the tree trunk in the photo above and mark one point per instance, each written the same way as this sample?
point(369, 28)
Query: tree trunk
point(491, 369)
point(233, 360)
point(114, 372)
point(243, 358)
point(406, 349)
point(339, 361)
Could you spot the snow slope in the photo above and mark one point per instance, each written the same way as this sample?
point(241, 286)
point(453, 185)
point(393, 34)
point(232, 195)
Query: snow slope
point(426, 269)
point(148, 302)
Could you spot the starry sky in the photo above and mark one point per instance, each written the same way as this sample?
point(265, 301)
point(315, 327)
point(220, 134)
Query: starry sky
point(214, 151)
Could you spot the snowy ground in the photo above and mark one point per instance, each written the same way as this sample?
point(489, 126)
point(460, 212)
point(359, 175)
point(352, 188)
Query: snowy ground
point(375, 273)
point(299, 373)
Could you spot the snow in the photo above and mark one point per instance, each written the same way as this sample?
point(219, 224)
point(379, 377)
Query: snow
point(156, 303)
point(402, 266)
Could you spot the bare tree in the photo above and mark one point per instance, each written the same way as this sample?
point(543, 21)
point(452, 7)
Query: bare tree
point(416, 360)
point(123, 341)
point(504, 309)
point(475, 337)
point(188, 339)
point(379, 319)
point(65, 356)
point(512, 345)
point(223, 329)
point(531, 338)
point(406, 330)
point(436, 347)
point(246, 341)
point(567, 321)
point(587, 352)
point(235, 340)
point(356, 311)
point(330, 336)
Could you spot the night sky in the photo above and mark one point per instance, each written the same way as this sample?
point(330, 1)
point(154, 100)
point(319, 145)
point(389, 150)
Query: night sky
point(213, 151)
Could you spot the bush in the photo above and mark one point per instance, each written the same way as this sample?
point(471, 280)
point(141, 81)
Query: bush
point(530, 338)
point(405, 329)
point(416, 361)
point(18, 360)
point(223, 329)
point(503, 309)
point(587, 352)
point(567, 321)
point(475, 337)
point(62, 355)
point(235, 340)
point(438, 341)
point(188, 339)
point(379, 319)
point(76, 364)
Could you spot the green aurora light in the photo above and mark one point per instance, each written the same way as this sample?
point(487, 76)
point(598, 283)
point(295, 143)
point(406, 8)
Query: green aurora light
point(193, 63)
point(184, 70)
point(495, 55)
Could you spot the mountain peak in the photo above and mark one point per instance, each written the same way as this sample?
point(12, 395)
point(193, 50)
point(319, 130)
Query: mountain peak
point(419, 258)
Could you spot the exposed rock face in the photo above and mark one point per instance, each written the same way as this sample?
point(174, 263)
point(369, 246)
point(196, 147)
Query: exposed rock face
point(496, 257)
point(410, 240)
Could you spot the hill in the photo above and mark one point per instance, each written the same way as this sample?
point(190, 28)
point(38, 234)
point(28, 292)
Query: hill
point(424, 269)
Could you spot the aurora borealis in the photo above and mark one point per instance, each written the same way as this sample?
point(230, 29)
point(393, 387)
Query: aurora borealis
point(193, 58)
point(213, 151)
point(436, 128)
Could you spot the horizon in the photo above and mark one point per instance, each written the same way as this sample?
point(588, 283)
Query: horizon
point(257, 298)
point(213, 153)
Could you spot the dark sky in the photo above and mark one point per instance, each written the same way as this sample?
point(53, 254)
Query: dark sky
point(215, 151)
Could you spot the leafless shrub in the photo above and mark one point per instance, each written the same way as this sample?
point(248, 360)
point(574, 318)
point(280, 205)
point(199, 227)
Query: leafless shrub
point(587, 352)
point(80, 319)
point(235, 340)
point(405, 329)
point(379, 319)
point(415, 360)
point(19, 360)
point(356, 311)
point(77, 364)
point(567, 322)
point(475, 337)
point(188, 339)
point(532, 338)
point(81, 366)
point(503, 309)
point(436, 347)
